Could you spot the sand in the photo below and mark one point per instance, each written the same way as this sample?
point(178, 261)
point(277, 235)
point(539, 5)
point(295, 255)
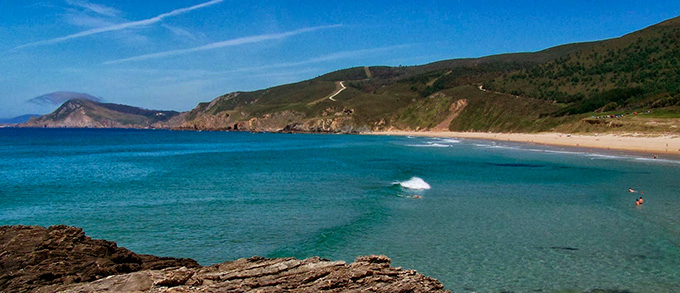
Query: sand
point(662, 144)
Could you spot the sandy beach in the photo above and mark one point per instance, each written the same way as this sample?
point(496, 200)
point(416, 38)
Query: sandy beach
point(662, 144)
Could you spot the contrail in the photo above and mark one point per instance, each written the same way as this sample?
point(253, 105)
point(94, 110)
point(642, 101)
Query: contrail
point(227, 43)
point(120, 26)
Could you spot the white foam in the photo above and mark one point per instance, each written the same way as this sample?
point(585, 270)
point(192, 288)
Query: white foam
point(430, 144)
point(414, 183)
point(450, 140)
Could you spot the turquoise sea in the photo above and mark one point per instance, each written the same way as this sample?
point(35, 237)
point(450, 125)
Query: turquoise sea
point(496, 217)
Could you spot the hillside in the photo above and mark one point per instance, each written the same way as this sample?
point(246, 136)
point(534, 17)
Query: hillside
point(91, 114)
point(583, 87)
point(375, 98)
point(559, 88)
point(640, 70)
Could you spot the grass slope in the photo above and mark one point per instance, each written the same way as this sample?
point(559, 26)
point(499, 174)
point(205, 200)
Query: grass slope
point(559, 88)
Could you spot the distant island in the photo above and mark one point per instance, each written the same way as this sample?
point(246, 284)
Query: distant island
point(629, 84)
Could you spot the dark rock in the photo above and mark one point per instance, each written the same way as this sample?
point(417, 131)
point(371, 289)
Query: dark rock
point(564, 248)
point(35, 256)
point(62, 258)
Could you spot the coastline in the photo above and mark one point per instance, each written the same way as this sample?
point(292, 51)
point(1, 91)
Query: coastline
point(655, 144)
point(662, 144)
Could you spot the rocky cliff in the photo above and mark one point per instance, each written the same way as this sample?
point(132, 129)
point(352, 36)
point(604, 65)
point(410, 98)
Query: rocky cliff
point(62, 258)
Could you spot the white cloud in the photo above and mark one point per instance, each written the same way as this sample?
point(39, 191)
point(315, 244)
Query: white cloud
point(120, 26)
point(222, 44)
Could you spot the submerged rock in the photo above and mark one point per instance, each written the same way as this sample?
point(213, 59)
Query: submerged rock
point(62, 258)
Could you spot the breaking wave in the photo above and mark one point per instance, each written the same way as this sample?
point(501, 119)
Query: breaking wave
point(413, 183)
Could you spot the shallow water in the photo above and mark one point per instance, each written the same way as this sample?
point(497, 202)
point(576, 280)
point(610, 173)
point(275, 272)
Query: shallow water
point(497, 216)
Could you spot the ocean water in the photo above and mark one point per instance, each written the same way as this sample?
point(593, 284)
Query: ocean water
point(477, 215)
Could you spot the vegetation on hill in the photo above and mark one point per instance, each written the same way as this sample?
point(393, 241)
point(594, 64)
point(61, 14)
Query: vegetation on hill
point(638, 71)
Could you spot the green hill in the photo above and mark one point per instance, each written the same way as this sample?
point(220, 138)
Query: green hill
point(375, 98)
point(640, 70)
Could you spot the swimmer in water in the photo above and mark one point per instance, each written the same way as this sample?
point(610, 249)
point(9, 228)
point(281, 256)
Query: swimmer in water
point(631, 190)
point(641, 201)
point(416, 196)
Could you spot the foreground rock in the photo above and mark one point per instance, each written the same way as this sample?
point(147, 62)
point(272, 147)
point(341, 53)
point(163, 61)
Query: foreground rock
point(33, 257)
point(62, 258)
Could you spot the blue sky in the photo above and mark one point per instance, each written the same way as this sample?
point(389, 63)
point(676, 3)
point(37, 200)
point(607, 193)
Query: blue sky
point(174, 54)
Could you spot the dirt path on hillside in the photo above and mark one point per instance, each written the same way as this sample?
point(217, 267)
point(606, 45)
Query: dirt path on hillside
point(339, 87)
point(338, 91)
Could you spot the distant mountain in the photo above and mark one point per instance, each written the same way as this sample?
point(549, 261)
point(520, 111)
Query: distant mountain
point(91, 114)
point(57, 98)
point(18, 119)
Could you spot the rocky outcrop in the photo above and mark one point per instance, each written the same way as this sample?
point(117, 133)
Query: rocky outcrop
point(62, 258)
point(325, 125)
point(257, 274)
point(34, 257)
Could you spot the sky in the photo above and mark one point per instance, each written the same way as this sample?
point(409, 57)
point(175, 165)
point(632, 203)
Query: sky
point(171, 55)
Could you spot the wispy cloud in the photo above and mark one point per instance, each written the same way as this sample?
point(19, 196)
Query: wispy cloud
point(96, 8)
point(222, 44)
point(120, 26)
point(180, 32)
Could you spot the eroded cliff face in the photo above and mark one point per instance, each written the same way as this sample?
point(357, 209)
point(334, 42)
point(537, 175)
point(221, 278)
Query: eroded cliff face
point(62, 258)
point(285, 121)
